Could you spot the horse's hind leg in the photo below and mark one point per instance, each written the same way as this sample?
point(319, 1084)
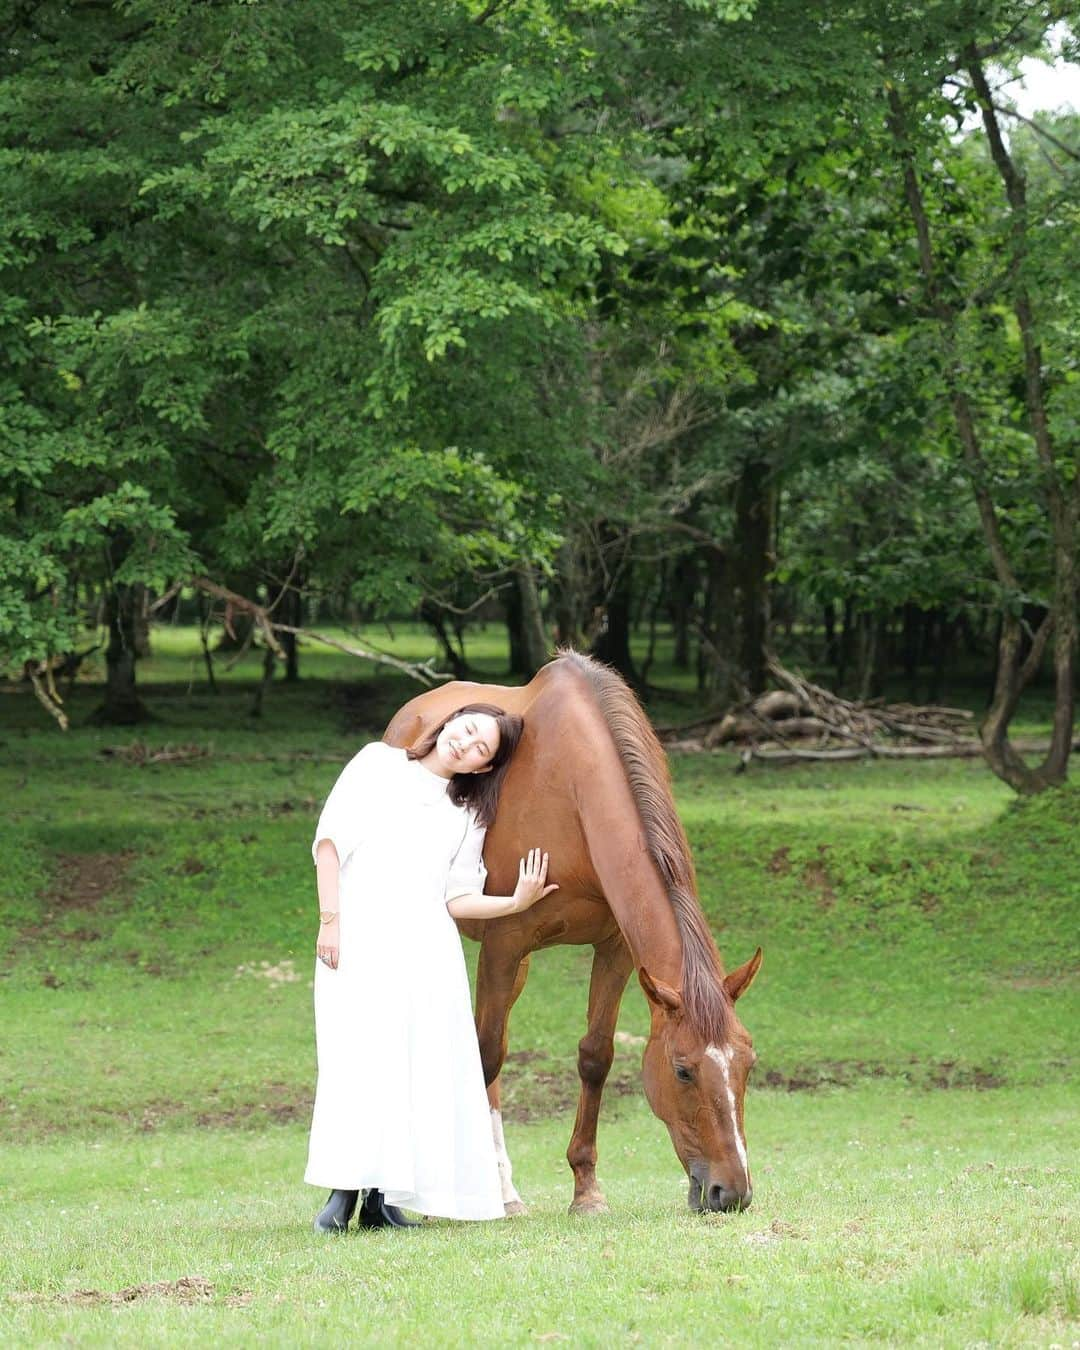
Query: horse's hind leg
point(500, 978)
point(611, 969)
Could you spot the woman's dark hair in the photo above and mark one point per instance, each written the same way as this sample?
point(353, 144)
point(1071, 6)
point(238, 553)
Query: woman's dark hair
point(478, 791)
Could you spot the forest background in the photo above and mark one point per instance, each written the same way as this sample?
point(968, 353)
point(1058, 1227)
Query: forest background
point(749, 322)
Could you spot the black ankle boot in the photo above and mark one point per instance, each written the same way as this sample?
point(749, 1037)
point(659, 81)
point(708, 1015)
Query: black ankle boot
point(376, 1213)
point(335, 1214)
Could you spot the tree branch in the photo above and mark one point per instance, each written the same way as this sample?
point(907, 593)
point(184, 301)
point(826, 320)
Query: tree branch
point(417, 670)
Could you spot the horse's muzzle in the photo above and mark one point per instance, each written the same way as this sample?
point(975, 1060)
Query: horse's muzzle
point(716, 1198)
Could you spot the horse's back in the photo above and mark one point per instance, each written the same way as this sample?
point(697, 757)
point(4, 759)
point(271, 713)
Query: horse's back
point(538, 804)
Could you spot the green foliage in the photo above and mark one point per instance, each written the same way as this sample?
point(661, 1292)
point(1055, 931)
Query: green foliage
point(228, 296)
point(415, 296)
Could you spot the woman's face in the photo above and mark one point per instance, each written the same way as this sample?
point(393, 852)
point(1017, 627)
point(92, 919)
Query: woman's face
point(467, 743)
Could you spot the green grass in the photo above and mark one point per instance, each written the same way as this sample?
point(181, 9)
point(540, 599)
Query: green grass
point(911, 1122)
point(895, 1218)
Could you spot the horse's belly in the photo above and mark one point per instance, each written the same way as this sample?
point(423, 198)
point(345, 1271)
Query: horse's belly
point(557, 921)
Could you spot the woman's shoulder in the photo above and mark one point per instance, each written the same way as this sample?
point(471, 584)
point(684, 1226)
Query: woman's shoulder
point(376, 754)
point(381, 749)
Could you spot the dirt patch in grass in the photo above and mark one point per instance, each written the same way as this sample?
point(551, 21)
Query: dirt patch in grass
point(541, 1093)
point(291, 804)
point(779, 865)
point(187, 1289)
point(938, 1074)
point(83, 880)
point(816, 878)
point(81, 935)
point(281, 1104)
point(948, 1074)
point(1051, 981)
point(256, 1113)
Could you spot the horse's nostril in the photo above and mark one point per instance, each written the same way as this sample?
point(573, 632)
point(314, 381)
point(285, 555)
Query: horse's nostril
point(720, 1198)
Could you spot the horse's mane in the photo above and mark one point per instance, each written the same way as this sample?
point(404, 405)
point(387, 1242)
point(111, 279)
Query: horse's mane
point(705, 1000)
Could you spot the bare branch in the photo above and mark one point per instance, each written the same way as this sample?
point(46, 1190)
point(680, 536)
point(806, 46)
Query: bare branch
point(469, 609)
point(418, 670)
point(49, 700)
point(1039, 131)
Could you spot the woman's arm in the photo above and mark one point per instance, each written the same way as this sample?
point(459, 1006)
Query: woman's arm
point(327, 874)
point(532, 876)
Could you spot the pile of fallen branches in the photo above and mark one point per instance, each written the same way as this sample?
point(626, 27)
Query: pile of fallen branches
point(801, 720)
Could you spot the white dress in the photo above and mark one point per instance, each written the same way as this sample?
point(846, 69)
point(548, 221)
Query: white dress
point(400, 1102)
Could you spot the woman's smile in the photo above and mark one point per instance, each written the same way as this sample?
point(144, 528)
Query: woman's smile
point(465, 745)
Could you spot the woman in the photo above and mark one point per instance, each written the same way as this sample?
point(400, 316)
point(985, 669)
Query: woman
point(401, 1110)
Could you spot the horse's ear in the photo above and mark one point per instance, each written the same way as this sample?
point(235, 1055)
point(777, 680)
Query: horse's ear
point(739, 981)
point(659, 994)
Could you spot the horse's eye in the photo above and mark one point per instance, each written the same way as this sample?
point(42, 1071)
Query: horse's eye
point(683, 1074)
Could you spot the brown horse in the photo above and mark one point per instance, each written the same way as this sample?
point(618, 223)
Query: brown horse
point(590, 784)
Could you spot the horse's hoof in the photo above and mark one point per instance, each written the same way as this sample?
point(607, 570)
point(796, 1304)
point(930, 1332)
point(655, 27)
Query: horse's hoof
point(590, 1204)
point(514, 1209)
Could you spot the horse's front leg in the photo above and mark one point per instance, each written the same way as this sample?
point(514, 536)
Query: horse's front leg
point(611, 969)
point(500, 978)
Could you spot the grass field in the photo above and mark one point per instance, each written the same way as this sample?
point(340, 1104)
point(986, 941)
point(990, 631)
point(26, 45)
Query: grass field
point(911, 1123)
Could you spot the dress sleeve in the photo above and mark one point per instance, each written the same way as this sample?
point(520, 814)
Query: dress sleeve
point(467, 870)
point(345, 813)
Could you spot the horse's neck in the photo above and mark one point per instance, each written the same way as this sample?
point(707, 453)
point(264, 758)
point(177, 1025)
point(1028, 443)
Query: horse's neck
point(630, 880)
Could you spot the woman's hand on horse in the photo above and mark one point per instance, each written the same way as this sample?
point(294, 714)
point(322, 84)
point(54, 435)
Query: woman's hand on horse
point(532, 880)
point(328, 943)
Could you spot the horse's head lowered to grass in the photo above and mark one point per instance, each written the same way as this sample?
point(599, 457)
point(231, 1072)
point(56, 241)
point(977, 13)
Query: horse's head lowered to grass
point(695, 1077)
point(698, 1054)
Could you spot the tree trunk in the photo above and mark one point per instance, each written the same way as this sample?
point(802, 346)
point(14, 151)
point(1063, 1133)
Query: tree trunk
point(717, 671)
point(122, 706)
point(753, 561)
point(515, 637)
point(868, 639)
point(1063, 499)
point(911, 648)
point(570, 597)
point(452, 657)
point(612, 643)
point(535, 647)
point(290, 611)
point(140, 601)
point(831, 654)
point(652, 617)
point(204, 629)
point(683, 591)
point(846, 646)
point(940, 639)
point(269, 663)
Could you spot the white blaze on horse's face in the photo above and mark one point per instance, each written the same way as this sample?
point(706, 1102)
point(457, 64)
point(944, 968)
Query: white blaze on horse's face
point(723, 1055)
point(695, 1081)
point(697, 1088)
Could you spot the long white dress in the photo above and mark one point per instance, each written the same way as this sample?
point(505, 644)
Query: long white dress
point(400, 1102)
